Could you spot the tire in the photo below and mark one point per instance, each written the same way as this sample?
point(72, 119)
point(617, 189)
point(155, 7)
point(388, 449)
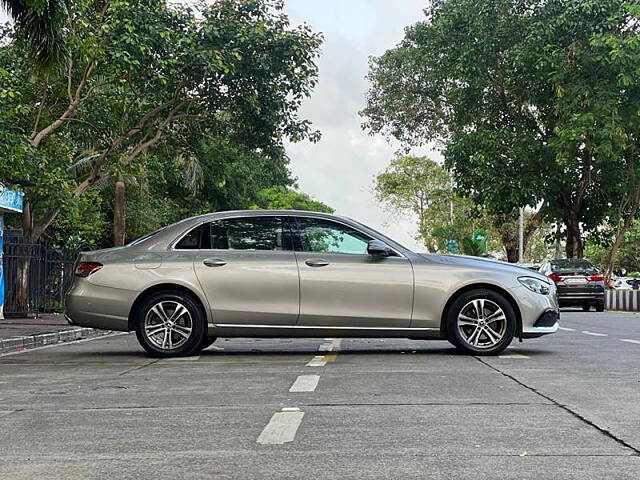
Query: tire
point(465, 335)
point(179, 338)
point(586, 307)
point(207, 342)
point(600, 307)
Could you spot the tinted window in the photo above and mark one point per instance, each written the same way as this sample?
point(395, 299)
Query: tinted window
point(191, 241)
point(573, 267)
point(254, 233)
point(329, 237)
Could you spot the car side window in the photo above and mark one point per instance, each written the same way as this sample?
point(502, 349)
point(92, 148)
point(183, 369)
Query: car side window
point(251, 233)
point(191, 241)
point(325, 236)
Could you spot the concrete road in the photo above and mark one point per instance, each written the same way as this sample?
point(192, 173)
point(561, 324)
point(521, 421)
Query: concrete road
point(564, 406)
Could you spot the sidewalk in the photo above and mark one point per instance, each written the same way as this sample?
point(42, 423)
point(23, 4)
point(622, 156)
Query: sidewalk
point(17, 334)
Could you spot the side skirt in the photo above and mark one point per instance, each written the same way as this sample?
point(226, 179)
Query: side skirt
point(304, 331)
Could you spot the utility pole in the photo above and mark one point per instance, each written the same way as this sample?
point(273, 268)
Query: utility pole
point(521, 236)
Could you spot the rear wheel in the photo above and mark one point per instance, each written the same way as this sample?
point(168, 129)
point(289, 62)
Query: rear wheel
point(600, 307)
point(481, 322)
point(586, 307)
point(170, 324)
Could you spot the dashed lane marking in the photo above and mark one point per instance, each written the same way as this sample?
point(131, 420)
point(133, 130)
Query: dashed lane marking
point(305, 383)
point(567, 329)
point(317, 361)
point(595, 334)
point(513, 355)
point(282, 427)
point(628, 340)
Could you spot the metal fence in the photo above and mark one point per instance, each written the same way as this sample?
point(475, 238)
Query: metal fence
point(50, 273)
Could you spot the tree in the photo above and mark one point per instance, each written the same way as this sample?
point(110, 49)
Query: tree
point(283, 198)
point(41, 24)
point(422, 187)
point(527, 96)
point(233, 74)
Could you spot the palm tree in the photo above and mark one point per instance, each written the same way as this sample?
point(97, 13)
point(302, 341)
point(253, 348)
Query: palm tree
point(41, 23)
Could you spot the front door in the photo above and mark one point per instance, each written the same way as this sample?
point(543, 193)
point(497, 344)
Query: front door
point(248, 272)
point(341, 285)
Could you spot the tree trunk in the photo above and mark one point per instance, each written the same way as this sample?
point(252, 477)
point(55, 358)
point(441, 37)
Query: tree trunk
point(22, 280)
point(624, 224)
point(119, 215)
point(575, 247)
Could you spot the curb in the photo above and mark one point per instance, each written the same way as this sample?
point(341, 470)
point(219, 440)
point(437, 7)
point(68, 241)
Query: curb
point(18, 344)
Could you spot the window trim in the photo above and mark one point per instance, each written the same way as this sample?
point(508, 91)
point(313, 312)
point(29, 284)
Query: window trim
point(291, 221)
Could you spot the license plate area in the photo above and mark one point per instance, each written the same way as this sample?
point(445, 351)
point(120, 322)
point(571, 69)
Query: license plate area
point(575, 281)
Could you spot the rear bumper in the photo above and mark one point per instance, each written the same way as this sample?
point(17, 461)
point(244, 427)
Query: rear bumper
point(89, 305)
point(570, 298)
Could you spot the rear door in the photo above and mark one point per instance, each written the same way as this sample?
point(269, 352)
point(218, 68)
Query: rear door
point(341, 285)
point(248, 271)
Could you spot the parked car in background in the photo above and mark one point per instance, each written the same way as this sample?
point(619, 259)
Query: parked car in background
point(623, 283)
point(301, 274)
point(578, 282)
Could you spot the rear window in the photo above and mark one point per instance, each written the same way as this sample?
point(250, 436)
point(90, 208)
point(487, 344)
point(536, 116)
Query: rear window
point(573, 266)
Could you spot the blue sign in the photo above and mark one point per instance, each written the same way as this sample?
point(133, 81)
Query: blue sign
point(10, 200)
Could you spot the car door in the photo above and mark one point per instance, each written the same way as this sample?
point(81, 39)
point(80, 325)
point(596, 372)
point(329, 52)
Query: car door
point(248, 271)
point(341, 285)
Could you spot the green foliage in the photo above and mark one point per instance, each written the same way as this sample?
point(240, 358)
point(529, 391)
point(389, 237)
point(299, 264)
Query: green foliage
point(534, 101)
point(422, 187)
point(193, 105)
point(283, 198)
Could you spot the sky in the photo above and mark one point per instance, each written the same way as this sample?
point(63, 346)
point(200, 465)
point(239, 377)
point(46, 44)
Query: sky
point(340, 169)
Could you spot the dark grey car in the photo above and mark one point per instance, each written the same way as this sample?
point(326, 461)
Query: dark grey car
point(578, 282)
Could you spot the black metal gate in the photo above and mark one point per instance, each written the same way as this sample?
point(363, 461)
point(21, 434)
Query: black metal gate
point(50, 273)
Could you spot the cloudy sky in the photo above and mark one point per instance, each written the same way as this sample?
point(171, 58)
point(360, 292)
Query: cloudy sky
point(339, 170)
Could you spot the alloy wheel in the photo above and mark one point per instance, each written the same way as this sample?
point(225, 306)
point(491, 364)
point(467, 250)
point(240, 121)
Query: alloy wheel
point(482, 323)
point(168, 325)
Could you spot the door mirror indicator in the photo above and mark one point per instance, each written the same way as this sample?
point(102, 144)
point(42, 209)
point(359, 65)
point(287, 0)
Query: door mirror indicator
point(378, 248)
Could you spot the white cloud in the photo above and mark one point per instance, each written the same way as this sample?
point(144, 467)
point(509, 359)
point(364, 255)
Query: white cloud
point(339, 170)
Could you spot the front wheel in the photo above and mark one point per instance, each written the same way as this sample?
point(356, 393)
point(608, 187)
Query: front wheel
point(481, 322)
point(170, 324)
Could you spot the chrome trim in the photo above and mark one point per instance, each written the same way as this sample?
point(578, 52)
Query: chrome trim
point(323, 327)
point(337, 220)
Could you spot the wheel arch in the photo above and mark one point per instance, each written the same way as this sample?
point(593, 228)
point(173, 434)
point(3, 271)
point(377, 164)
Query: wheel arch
point(164, 287)
point(482, 286)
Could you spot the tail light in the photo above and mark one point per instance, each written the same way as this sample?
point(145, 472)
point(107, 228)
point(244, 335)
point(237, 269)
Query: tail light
point(555, 278)
point(596, 278)
point(84, 269)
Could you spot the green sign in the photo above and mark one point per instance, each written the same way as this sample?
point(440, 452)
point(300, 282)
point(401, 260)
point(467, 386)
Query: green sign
point(480, 239)
point(452, 246)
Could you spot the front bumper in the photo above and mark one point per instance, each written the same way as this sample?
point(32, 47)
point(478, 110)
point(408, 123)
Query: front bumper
point(540, 313)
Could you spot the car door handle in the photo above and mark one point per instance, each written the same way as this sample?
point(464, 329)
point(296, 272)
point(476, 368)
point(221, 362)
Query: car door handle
point(316, 262)
point(214, 262)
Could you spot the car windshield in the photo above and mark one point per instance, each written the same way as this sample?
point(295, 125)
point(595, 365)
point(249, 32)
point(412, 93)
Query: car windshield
point(568, 267)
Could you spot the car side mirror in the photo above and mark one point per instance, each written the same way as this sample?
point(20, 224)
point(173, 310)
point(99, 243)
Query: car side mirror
point(378, 248)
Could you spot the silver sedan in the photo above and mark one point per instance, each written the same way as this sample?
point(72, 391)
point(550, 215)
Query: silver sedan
point(289, 273)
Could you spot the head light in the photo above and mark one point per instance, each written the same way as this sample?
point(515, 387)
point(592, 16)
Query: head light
point(535, 285)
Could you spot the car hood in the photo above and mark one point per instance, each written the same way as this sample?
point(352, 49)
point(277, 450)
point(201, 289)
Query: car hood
point(480, 263)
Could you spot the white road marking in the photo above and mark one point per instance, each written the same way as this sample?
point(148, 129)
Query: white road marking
point(567, 329)
point(183, 359)
point(281, 428)
point(317, 361)
point(513, 355)
point(325, 347)
point(628, 340)
point(305, 383)
point(595, 334)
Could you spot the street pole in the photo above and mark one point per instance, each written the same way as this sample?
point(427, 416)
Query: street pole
point(521, 236)
point(1, 269)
